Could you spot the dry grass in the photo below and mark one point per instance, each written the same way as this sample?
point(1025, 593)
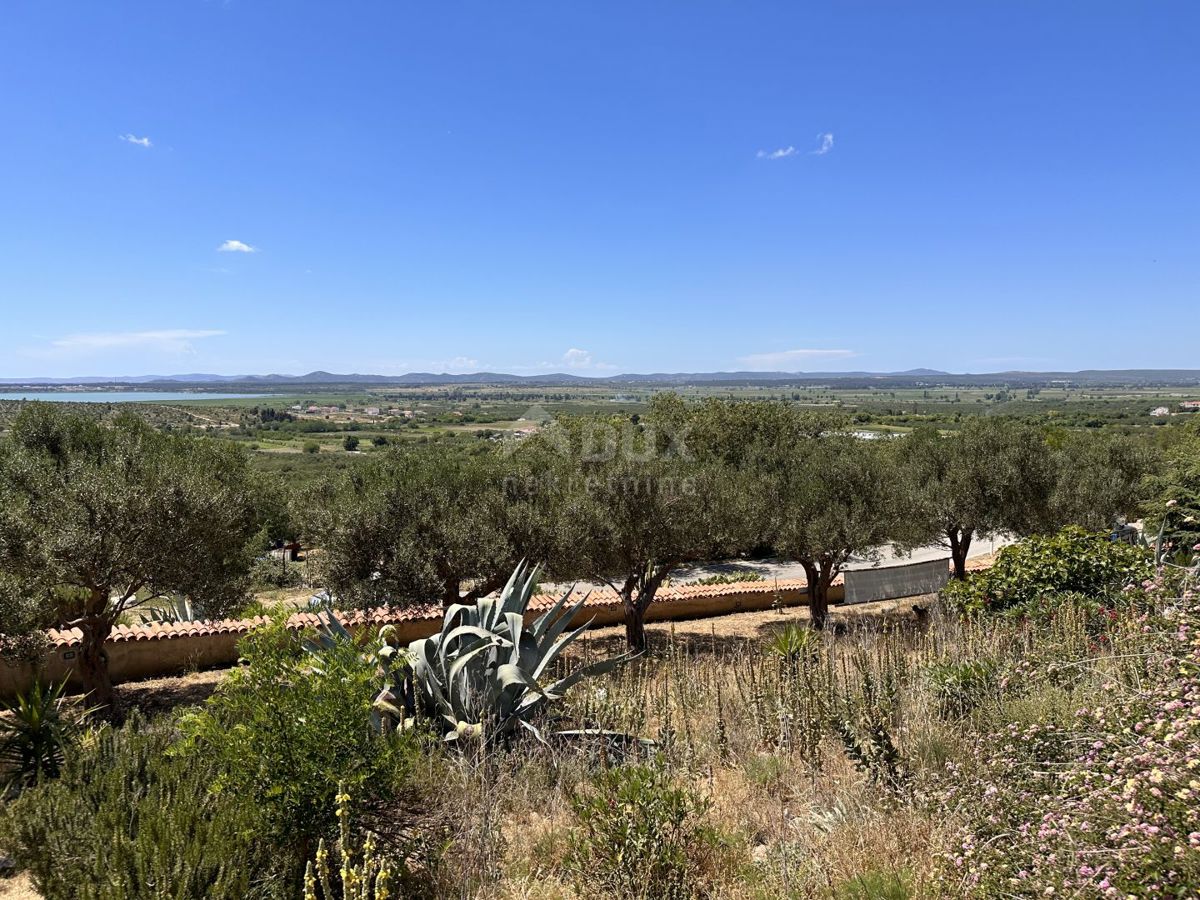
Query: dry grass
point(764, 741)
point(798, 816)
point(776, 745)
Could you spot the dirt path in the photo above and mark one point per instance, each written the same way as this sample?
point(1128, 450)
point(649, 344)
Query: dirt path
point(727, 631)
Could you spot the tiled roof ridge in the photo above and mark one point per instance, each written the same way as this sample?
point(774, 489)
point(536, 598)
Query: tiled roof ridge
point(383, 615)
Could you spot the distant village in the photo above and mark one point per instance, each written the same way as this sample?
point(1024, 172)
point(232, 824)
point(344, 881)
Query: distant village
point(351, 412)
point(1187, 406)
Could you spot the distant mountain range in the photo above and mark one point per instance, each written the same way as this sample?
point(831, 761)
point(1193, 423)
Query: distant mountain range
point(910, 377)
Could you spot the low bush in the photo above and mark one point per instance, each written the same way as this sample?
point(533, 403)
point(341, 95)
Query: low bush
point(269, 574)
point(1099, 805)
point(1073, 560)
point(641, 835)
point(959, 687)
point(289, 727)
point(740, 577)
point(37, 730)
point(127, 820)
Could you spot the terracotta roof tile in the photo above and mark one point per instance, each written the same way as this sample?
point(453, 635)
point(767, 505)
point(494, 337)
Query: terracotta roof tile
point(600, 597)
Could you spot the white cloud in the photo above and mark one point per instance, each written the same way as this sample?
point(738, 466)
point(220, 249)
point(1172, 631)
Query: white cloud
point(824, 144)
point(177, 341)
point(780, 360)
point(781, 153)
point(582, 359)
point(577, 359)
point(236, 247)
point(134, 139)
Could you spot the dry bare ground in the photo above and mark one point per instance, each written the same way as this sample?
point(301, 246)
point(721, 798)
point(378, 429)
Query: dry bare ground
point(17, 888)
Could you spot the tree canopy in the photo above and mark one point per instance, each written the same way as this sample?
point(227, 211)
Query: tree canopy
point(629, 523)
point(99, 518)
point(1099, 478)
point(839, 496)
point(992, 475)
point(415, 525)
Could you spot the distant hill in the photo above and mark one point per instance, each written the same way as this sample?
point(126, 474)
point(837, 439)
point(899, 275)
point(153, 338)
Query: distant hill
point(908, 378)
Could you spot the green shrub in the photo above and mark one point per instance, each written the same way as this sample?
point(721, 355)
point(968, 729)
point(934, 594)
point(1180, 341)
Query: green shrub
point(267, 574)
point(795, 643)
point(959, 687)
point(875, 884)
point(640, 835)
point(289, 726)
point(311, 447)
point(1073, 560)
point(740, 577)
point(40, 726)
point(127, 821)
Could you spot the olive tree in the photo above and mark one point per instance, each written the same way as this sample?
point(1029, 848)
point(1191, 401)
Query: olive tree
point(98, 518)
point(410, 526)
point(629, 523)
point(1172, 502)
point(1099, 478)
point(993, 475)
point(839, 496)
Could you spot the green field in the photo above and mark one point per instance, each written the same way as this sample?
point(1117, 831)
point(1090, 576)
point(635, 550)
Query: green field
point(289, 439)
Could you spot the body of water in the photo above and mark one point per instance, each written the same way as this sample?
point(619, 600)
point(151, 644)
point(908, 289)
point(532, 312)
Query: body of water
point(121, 396)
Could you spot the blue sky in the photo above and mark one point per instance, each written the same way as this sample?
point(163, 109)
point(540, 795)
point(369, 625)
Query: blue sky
point(597, 187)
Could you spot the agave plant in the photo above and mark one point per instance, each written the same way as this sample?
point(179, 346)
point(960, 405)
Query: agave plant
point(174, 611)
point(483, 675)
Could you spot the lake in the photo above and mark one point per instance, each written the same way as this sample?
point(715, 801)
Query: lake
point(121, 396)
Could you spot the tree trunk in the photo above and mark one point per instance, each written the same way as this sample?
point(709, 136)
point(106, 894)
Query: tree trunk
point(960, 546)
point(450, 593)
point(635, 625)
point(818, 596)
point(637, 593)
point(93, 661)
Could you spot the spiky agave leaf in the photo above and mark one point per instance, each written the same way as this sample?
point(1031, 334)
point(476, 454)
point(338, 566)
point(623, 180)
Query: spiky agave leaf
point(482, 673)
